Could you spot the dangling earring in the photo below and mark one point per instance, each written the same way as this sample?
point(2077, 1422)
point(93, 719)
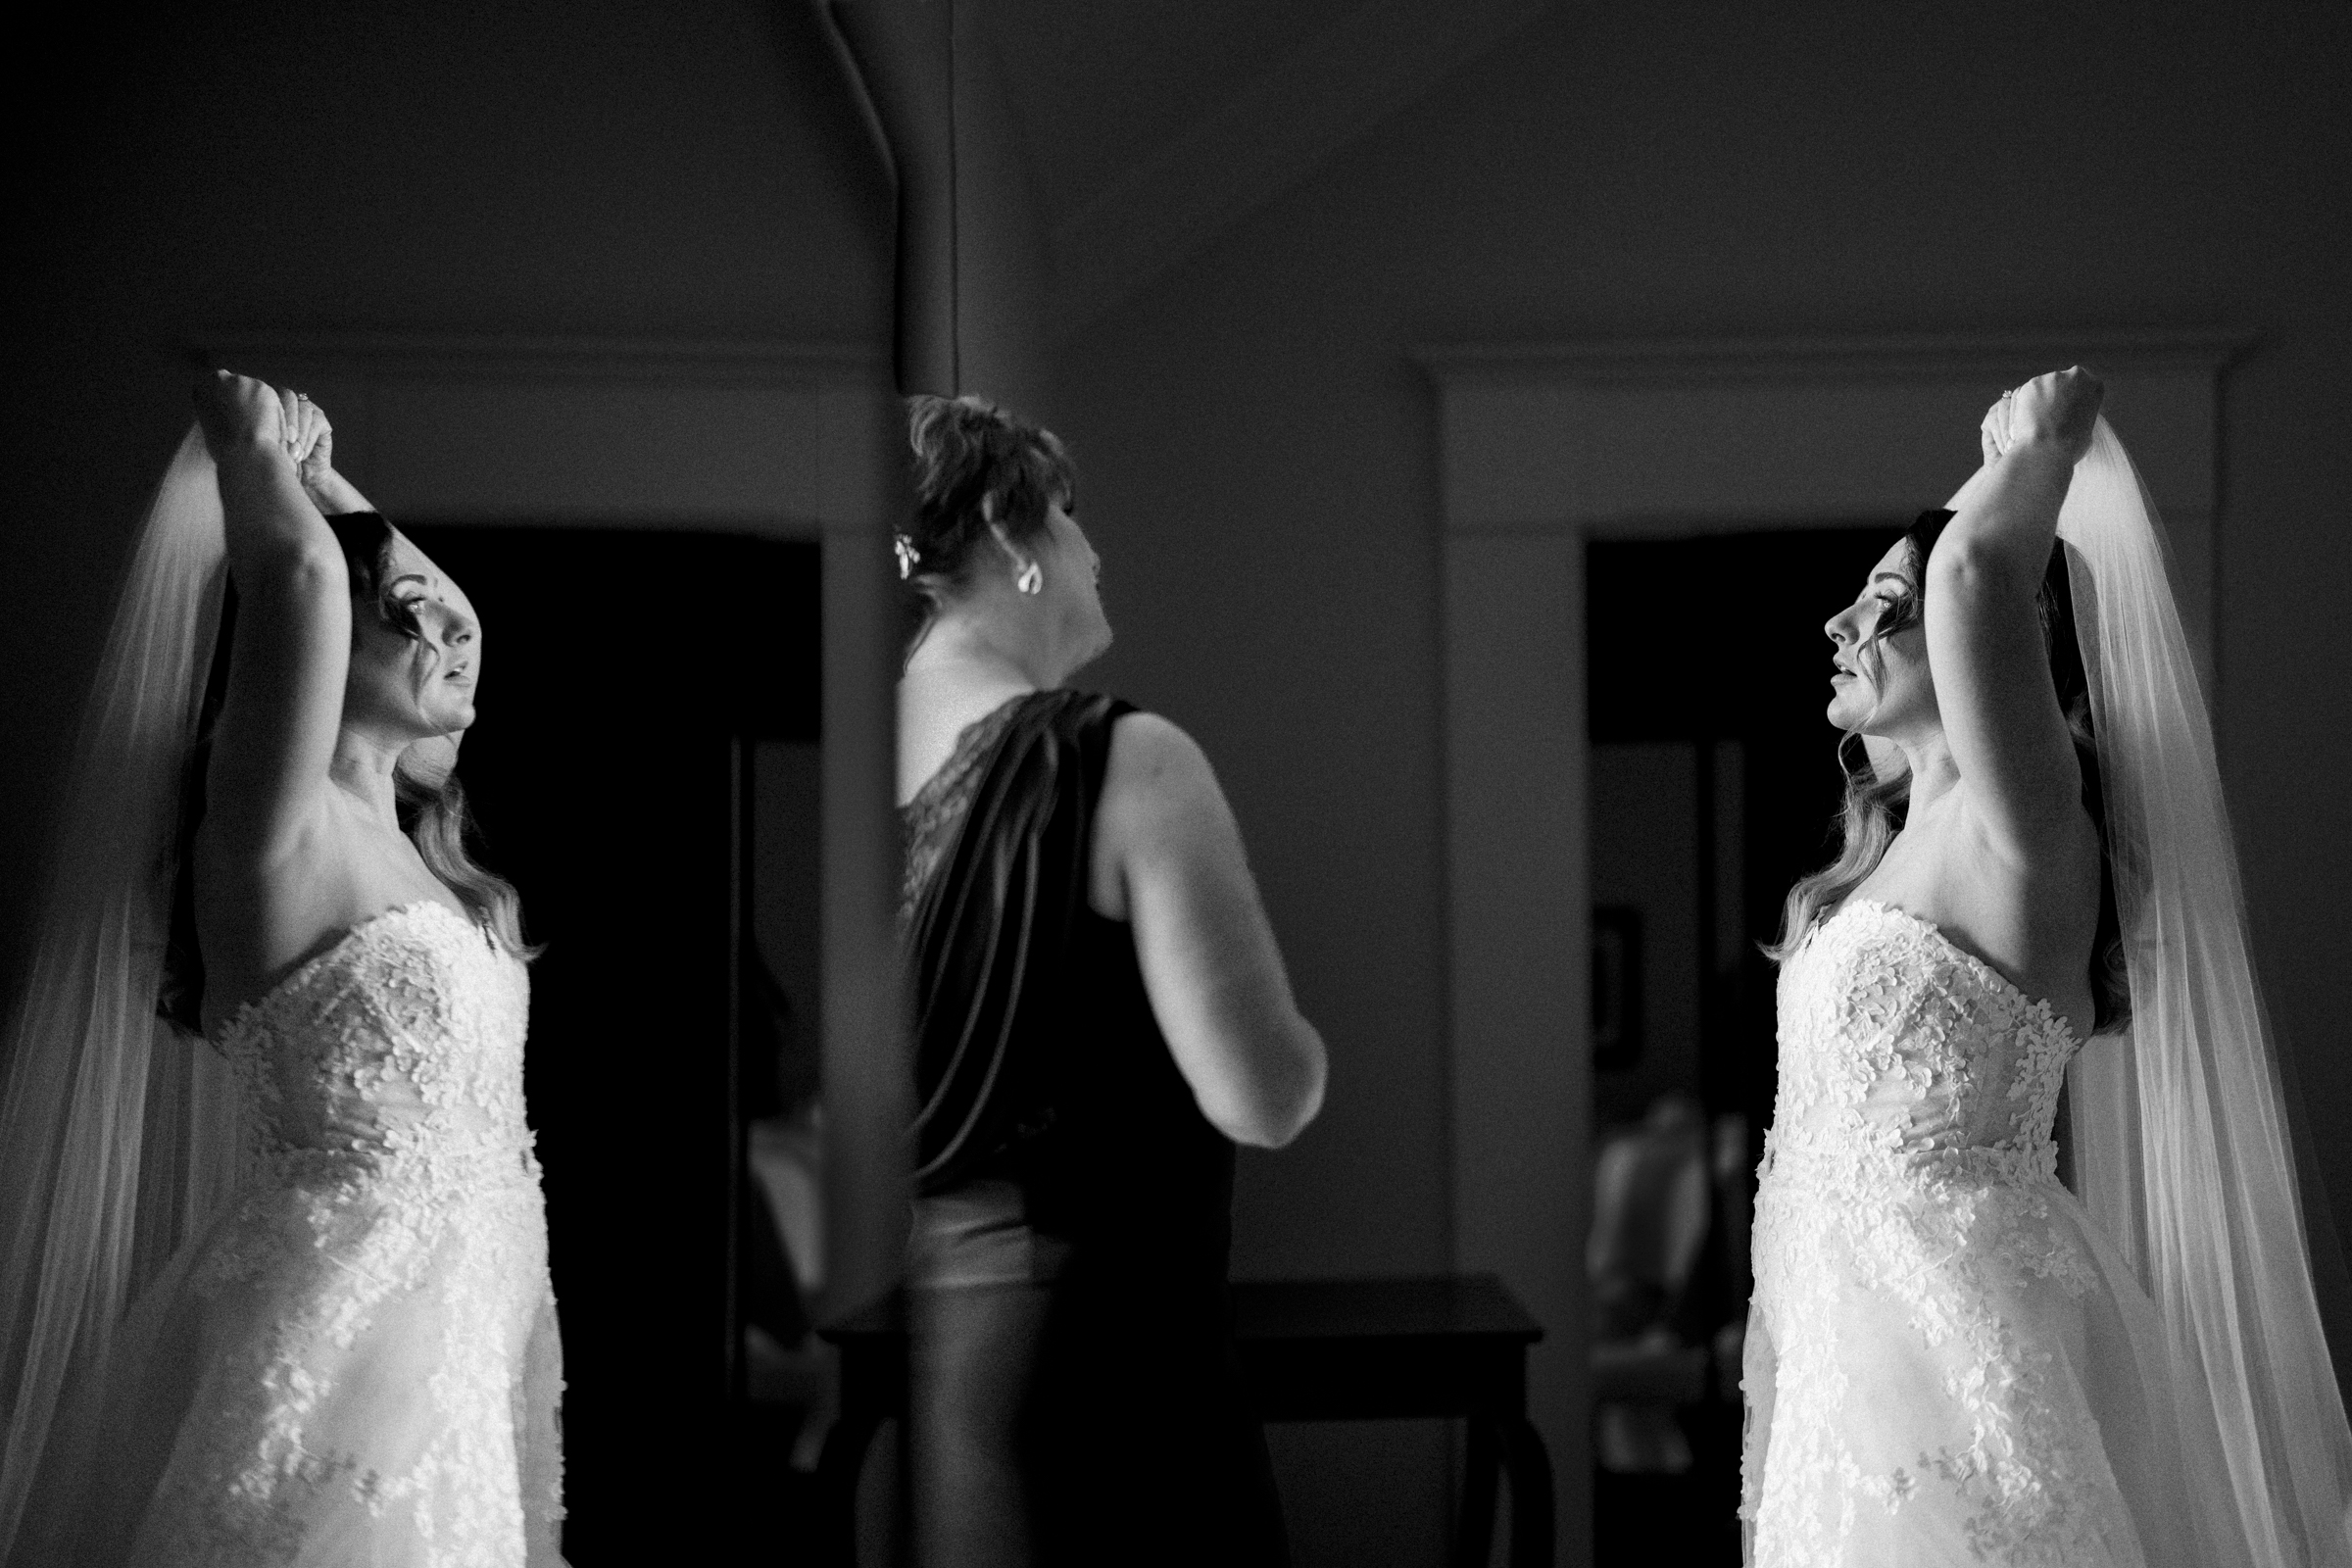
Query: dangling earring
point(1031, 580)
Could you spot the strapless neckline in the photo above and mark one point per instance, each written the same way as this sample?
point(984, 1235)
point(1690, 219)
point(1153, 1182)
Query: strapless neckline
point(1983, 971)
point(241, 1019)
point(359, 1351)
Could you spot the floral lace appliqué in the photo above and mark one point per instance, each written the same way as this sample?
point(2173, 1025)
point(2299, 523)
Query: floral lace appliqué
point(381, 1364)
point(1915, 1269)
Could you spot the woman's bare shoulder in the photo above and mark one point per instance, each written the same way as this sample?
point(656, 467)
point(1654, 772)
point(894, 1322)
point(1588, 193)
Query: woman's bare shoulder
point(1154, 762)
point(259, 911)
point(1160, 809)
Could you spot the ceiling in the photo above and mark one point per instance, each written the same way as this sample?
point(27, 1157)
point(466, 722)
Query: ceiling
point(1148, 129)
point(1096, 88)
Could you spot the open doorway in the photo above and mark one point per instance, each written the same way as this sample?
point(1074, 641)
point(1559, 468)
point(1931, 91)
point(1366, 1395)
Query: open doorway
point(1714, 782)
point(644, 770)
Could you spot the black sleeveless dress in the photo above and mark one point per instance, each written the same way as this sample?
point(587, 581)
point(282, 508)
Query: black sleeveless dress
point(1076, 1397)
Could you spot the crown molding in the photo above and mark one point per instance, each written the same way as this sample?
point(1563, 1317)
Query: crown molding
point(1708, 433)
point(500, 357)
point(776, 437)
point(1893, 357)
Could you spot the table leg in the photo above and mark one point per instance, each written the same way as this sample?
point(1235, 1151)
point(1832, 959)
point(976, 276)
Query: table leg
point(1474, 1521)
point(836, 1471)
point(1529, 1470)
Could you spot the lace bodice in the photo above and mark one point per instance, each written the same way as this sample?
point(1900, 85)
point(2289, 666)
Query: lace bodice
point(398, 1049)
point(1929, 1301)
point(1897, 1045)
point(359, 1359)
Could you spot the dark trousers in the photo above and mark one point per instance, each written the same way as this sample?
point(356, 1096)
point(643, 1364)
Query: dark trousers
point(1096, 1417)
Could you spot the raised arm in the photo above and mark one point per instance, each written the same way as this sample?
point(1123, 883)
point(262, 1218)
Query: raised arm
point(1985, 642)
point(1209, 963)
point(278, 724)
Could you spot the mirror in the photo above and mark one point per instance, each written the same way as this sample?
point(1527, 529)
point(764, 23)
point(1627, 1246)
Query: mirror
point(598, 299)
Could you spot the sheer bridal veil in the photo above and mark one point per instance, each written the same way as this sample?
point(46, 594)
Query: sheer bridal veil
point(2182, 1143)
point(118, 1135)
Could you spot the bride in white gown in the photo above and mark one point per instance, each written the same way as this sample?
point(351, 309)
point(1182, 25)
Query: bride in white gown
point(283, 1298)
point(1951, 1360)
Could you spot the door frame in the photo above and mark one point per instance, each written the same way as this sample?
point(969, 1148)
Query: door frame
point(1542, 445)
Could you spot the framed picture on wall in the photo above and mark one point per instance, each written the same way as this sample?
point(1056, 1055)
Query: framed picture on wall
point(1616, 986)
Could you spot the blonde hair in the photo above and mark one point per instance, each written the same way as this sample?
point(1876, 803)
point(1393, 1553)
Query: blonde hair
point(434, 815)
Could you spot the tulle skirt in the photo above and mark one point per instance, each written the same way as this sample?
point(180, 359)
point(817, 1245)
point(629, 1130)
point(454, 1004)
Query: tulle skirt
point(1947, 1363)
point(356, 1374)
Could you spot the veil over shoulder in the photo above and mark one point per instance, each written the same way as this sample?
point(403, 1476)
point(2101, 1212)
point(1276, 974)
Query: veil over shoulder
point(2180, 1130)
point(118, 1135)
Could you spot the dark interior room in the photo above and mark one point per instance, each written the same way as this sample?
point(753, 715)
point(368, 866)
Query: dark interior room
point(1481, 406)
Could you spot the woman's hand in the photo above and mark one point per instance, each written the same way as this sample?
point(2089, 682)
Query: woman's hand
point(313, 451)
point(240, 414)
point(1994, 433)
point(2057, 411)
point(311, 443)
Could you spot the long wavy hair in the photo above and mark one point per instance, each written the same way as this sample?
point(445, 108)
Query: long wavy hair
point(430, 802)
point(1876, 805)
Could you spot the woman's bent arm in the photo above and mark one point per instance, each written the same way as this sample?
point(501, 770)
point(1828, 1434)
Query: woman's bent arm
point(292, 649)
point(1209, 963)
point(1993, 691)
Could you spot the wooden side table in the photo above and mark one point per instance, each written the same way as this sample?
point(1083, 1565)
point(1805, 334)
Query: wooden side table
point(1452, 1346)
point(1377, 1349)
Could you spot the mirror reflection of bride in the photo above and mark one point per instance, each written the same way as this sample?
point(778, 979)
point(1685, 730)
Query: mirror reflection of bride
point(272, 1261)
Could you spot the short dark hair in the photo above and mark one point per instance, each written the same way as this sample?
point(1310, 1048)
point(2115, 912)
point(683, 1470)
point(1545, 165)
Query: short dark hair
point(977, 464)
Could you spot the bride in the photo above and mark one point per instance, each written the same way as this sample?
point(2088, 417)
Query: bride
point(1951, 1360)
point(284, 1297)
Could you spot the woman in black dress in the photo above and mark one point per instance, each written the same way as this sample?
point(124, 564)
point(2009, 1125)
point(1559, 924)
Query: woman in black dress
point(1100, 1015)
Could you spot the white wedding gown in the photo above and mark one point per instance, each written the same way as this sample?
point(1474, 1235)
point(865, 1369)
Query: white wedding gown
point(357, 1363)
point(1947, 1363)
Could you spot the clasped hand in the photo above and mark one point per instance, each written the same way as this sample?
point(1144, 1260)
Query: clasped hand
point(2058, 411)
point(239, 413)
